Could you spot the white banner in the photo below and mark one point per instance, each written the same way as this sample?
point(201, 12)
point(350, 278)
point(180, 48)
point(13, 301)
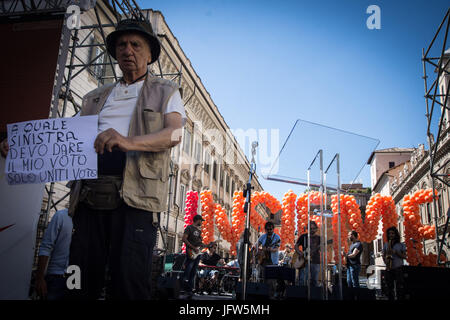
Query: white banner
point(19, 215)
point(57, 149)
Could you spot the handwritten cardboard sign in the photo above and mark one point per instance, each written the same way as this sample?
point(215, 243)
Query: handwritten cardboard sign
point(50, 150)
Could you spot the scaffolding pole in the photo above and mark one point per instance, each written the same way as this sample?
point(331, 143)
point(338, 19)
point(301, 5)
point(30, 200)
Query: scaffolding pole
point(442, 74)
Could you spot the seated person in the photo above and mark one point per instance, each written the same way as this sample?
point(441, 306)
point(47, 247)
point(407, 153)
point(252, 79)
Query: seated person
point(209, 258)
point(233, 263)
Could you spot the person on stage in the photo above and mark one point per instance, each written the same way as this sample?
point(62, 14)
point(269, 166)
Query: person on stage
point(192, 238)
point(209, 258)
point(285, 257)
point(53, 257)
point(393, 253)
point(268, 246)
point(353, 258)
point(313, 255)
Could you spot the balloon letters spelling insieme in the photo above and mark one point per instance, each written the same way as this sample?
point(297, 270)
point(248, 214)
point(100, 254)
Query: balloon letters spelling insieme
point(379, 208)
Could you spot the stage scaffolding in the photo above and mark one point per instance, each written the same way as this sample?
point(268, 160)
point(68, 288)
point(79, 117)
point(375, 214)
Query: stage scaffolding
point(437, 57)
point(66, 97)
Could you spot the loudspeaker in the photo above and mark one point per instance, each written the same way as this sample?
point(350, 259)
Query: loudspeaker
point(424, 282)
point(301, 292)
point(168, 287)
point(279, 273)
point(362, 294)
point(255, 291)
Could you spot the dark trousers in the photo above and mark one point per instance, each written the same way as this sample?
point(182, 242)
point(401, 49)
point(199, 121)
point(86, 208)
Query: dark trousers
point(394, 284)
point(56, 286)
point(190, 271)
point(121, 240)
point(353, 275)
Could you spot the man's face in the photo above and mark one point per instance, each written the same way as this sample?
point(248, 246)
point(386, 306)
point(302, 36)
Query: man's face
point(350, 236)
point(213, 248)
point(269, 230)
point(313, 229)
point(198, 223)
point(132, 53)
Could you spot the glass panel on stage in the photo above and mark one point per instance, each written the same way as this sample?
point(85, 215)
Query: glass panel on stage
point(302, 145)
point(308, 157)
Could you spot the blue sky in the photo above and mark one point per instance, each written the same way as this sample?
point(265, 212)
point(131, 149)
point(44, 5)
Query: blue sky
point(267, 63)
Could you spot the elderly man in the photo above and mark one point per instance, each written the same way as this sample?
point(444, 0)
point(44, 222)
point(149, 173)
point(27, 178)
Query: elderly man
point(115, 217)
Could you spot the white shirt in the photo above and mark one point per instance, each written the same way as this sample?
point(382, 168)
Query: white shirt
point(116, 112)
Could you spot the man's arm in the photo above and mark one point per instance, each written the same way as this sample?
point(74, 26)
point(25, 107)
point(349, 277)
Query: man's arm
point(297, 246)
point(200, 263)
point(354, 253)
point(45, 250)
point(4, 147)
point(188, 244)
point(185, 240)
point(166, 138)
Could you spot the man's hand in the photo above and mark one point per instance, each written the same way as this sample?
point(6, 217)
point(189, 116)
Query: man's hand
point(41, 287)
point(109, 139)
point(4, 148)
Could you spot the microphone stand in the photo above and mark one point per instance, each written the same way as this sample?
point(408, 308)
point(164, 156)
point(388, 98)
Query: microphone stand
point(247, 208)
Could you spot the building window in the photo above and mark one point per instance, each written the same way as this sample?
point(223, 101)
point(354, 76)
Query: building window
point(214, 171)
point(207, 162)
point(232, 187)
point(198, 152)
point(428, 213)
point(440, 210)
point(97, 69)
point(379, 245)
point(187, 141)
point(170, 243)
point(391, 164)
point(180, 245)
point(227, 186)
point(221, 178)
point(182, 197)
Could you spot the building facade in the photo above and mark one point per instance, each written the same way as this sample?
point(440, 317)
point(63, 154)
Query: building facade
point(406, 178)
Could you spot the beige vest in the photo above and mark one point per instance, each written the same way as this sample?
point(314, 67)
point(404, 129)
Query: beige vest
point(145, 177)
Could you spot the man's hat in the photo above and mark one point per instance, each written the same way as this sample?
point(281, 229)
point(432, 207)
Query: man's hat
point(198, 217)
point(130, 25)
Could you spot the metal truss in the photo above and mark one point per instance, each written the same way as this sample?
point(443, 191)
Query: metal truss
point(440, 72)
point(22, 7)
